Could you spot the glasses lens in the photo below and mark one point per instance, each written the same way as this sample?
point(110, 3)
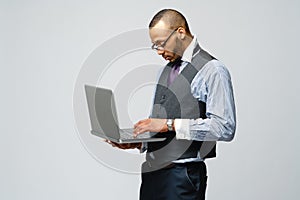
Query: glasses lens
point(157, 47)
point(154, 46)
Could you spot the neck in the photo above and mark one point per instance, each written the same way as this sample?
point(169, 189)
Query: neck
point(186, 41)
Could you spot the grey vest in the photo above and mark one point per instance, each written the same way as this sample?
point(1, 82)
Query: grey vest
point(176, 101)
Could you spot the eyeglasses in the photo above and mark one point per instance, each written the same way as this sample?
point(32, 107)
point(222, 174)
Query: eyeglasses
point(161, 46)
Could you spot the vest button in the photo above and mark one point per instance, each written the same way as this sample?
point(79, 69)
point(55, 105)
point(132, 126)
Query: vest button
point(163, 99)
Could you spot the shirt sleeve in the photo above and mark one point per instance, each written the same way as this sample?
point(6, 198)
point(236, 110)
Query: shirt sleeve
point(212, 85)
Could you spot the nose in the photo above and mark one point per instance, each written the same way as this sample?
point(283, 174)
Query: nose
point(160, 51)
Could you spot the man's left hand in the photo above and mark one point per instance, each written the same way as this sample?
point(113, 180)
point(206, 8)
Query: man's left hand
point(125, 145)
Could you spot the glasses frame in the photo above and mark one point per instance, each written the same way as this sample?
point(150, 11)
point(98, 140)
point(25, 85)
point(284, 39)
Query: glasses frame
point(161, 46)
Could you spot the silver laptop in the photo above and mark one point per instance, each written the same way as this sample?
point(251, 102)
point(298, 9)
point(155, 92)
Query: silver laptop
point(104, 119)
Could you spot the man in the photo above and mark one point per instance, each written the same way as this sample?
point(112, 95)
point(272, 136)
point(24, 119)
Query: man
point(193, 108)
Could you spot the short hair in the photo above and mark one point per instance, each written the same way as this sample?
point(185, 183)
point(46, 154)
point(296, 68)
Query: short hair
point(172, 18)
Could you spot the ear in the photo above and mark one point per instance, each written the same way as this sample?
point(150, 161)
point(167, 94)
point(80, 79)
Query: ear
point(182, 33)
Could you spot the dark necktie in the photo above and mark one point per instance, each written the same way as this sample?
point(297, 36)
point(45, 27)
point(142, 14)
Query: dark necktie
point(174, 71)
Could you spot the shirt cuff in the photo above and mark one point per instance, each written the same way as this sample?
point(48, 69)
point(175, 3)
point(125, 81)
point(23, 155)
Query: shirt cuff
point(182, 129)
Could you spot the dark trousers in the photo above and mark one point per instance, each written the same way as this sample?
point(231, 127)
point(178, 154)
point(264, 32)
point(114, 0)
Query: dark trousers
point(175, 182)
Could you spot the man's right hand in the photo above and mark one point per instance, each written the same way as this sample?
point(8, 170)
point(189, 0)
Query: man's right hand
point(125, 145)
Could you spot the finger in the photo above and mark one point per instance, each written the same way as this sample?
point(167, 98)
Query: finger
point(139, 131)
point(108, 141)
point(113, 144)
point(137, 124)
point(135, 133)
point(141, 125)
point(140, 122)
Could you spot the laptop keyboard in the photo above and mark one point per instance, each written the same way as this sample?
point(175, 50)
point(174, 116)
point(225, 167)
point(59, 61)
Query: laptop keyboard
point(128, 134)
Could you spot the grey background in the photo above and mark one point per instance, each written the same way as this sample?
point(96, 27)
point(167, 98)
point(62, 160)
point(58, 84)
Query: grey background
point(44, 44)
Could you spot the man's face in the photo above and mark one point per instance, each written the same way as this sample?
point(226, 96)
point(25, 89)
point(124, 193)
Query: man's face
point(167, 39)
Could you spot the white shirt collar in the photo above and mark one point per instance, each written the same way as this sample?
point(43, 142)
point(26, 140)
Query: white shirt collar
point(188, 53)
